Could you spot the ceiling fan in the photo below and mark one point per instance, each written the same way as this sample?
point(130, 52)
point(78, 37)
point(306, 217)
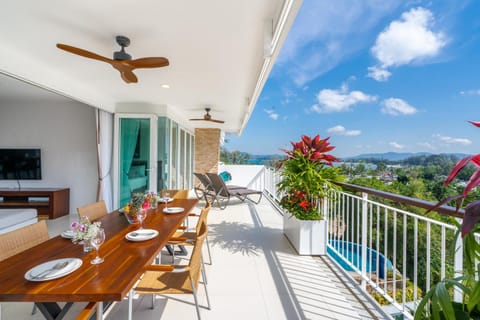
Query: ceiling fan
point(208, 117)
point(121, 61)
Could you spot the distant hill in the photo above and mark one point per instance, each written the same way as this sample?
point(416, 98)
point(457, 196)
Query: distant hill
point(395, 156)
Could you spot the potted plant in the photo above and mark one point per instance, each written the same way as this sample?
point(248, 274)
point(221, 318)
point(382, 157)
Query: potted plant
point(306, 179)
point(438, 302)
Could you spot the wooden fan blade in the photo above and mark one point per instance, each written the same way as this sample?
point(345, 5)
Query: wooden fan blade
point(129, 76)
point(151, 62)
point(211, 120)
point(83, 53)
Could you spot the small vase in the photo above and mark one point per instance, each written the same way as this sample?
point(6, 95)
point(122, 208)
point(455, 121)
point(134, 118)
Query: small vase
point(154, 203)
point(87, 245)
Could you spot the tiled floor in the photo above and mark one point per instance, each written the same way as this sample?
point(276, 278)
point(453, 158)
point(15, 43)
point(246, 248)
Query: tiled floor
point(255, 275)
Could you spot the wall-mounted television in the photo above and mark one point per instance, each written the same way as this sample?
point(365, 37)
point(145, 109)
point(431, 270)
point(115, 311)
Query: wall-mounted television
point(20, 164)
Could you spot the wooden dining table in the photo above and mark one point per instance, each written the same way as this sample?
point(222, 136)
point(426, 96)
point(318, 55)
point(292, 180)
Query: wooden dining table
point(106, 282)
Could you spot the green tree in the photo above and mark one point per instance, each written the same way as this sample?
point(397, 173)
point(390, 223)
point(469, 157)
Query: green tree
point(234, 157)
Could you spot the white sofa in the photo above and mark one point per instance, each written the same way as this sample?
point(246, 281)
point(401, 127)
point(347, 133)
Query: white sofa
point(11, 219)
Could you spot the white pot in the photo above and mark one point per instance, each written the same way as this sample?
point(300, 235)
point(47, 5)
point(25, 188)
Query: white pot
point(308, 237)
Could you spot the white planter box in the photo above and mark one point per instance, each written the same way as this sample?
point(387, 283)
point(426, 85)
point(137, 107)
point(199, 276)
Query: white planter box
point(308, 237)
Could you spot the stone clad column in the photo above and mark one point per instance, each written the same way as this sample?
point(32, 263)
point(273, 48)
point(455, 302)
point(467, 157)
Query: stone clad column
point(207, 150)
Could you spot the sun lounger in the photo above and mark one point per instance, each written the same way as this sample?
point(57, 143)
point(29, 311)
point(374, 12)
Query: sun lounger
point(205, 186)
point(221, 193)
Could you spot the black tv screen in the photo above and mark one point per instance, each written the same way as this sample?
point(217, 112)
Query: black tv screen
point(20, 164)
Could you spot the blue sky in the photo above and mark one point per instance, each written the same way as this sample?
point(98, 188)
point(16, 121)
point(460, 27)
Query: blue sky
point(375, 76)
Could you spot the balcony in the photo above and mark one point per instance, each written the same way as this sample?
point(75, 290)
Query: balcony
point(256, 274)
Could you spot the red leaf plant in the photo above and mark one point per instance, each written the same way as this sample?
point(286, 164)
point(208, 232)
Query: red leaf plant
point(472, 210)
point(313, 149)
point(307, 174)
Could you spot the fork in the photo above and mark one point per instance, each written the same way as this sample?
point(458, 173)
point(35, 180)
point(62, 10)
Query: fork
point(134, 234)
point(57, 266)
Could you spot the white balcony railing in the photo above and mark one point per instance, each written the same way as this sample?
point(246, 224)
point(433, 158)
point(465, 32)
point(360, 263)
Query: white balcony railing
point(394, 254)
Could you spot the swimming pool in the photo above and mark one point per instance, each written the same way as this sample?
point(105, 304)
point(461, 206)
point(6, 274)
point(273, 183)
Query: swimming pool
point(352, 252)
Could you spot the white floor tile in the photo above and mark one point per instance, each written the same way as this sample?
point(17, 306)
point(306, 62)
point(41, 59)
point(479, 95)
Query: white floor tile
point(255, 275)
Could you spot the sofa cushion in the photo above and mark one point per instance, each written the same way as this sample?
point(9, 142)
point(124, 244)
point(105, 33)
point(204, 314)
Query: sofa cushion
point(11, 219)
point(137, 171)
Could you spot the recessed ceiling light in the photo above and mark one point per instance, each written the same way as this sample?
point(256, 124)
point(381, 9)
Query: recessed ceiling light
point(165, 86)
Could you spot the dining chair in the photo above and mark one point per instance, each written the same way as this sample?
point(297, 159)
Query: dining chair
point(176, 279)
point(21, 239)
point(87, 312)
point(93, 211)
point(177, 193)
point(187, 238)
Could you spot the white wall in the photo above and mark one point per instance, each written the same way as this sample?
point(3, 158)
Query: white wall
point(242, 174)
point(65, 133)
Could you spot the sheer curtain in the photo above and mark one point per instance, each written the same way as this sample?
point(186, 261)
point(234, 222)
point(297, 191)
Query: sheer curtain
point(104, 157)
point(129, 130)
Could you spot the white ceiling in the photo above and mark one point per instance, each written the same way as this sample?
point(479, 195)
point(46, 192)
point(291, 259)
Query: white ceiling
point(215, 47)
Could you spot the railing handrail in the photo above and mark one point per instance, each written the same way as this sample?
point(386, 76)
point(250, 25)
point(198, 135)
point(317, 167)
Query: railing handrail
point(401, 240)
point(259, 174)
point(448, 210)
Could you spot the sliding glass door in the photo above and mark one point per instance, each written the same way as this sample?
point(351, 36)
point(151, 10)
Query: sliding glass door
point(135, 156)
point(150, 154)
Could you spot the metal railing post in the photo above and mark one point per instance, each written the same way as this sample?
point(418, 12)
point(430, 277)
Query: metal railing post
point(458, 265)
point(364, 239)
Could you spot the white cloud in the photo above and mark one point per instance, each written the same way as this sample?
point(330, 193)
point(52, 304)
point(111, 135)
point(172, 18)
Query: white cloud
point(470, 92)
point(426, 145)
point(271, 114)
point(287, 96)
point(451, 140)
point(340, 130)
point(409, 39)
point(340, 100)
point(396, 107)
point(396, 145)
point(324, 35)
point(378, 73)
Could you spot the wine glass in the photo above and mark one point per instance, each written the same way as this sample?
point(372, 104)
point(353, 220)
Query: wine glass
point(97, 240)
point(166, 197)
point(141, 215)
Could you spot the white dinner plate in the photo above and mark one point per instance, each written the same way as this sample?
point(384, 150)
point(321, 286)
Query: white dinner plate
point(141, 235)
point(67, 234)
point(121, 210)
point(173, 210)
point(46, 271)
point(165, 200)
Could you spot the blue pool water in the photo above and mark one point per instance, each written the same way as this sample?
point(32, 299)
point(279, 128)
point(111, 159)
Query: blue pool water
point(352, 252)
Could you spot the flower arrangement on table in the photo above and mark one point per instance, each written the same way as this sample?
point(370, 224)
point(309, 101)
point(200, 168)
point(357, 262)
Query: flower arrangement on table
point(140, 201)
point(83, 229)
point(307, 174)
